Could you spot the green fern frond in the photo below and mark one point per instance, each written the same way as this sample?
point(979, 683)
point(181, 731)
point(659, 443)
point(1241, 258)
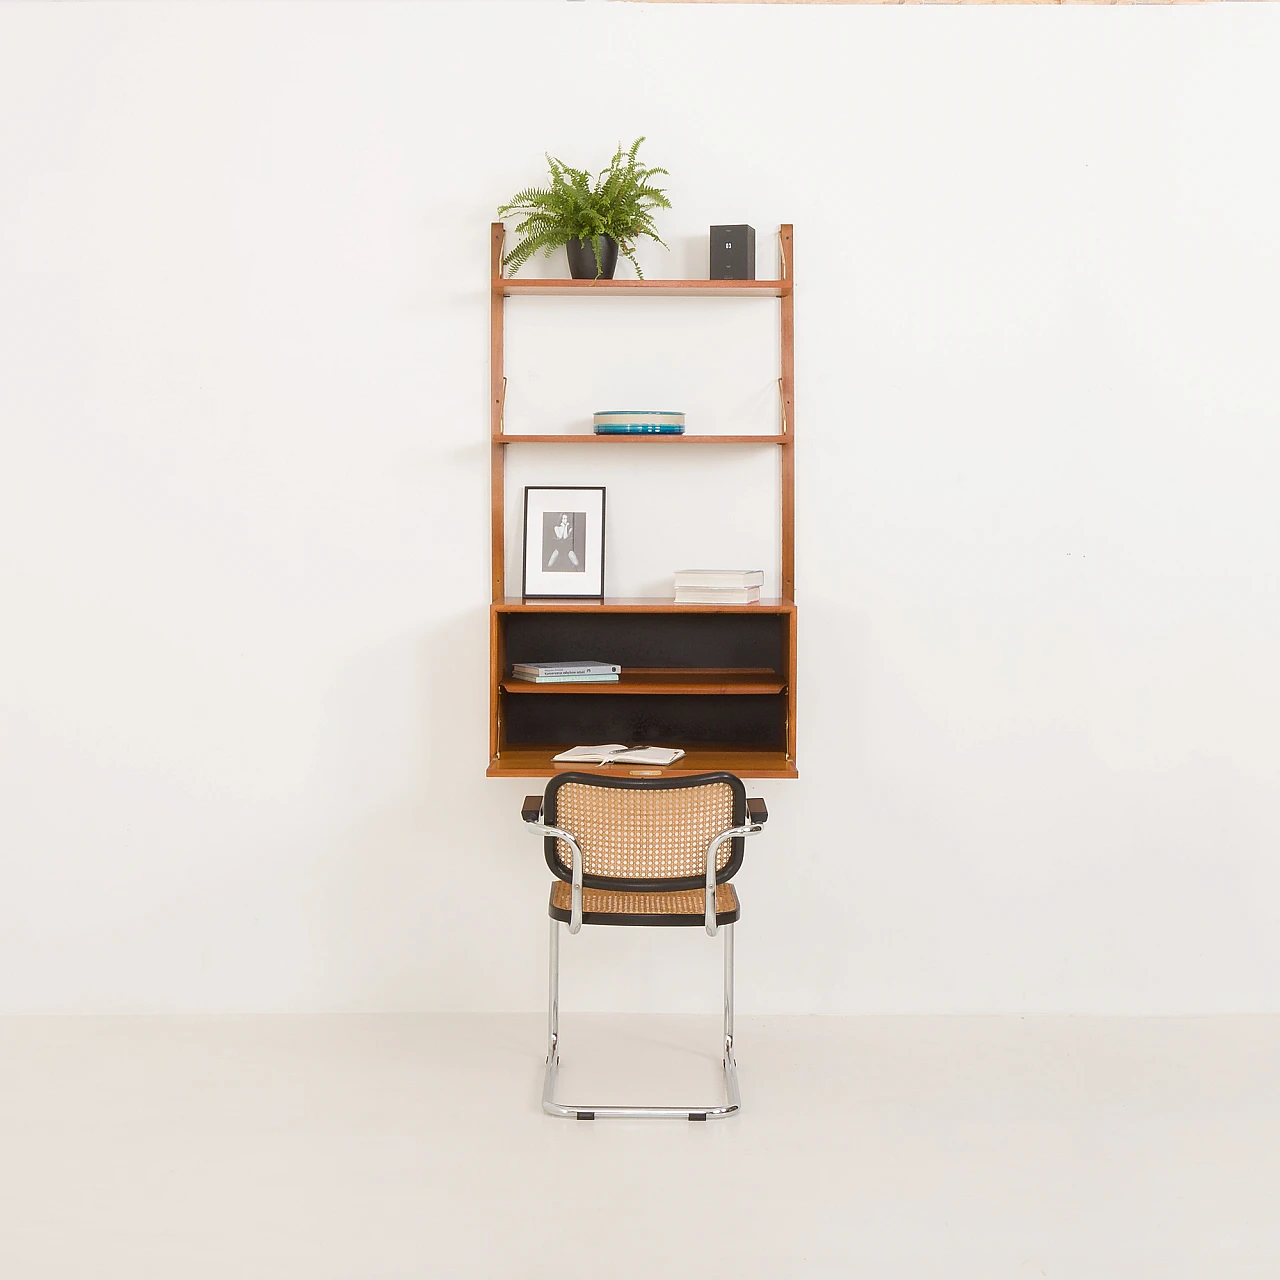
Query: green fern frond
point(617, 202)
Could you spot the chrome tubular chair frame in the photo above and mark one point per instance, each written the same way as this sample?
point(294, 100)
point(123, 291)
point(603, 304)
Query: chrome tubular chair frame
point(709, 916)
point(575, 852)
point(733, 1098)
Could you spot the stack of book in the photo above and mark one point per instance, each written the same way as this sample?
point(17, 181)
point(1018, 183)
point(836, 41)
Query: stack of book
point(588, 671)
point(718, 586)
point(639, 422)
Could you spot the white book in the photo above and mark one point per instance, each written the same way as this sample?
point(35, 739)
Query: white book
point(703, 595)
point(619, 753)
point(712, 578)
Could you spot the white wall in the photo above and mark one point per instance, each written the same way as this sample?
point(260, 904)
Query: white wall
point(243, 381)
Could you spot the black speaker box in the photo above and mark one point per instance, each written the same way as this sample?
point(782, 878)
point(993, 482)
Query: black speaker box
point(733, 253)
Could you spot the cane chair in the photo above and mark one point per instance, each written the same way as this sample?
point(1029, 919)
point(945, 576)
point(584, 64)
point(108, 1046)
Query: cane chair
point(643, 852)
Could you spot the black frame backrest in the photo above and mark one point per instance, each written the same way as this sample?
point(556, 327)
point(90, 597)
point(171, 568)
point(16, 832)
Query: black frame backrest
point(736, 845)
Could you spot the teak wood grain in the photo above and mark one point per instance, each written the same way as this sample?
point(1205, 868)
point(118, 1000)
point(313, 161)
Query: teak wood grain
point(671, 288)
point(692, 681)
point(635, 604)
point(792, 624)
point(582, 437)
point(535, 762)
point(788, 335)
point(497, 665)
point(497, 395)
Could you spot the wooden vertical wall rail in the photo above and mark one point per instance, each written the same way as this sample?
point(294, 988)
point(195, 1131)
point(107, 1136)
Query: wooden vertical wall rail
point(497, 496)
point(792, 664)
point(497, 473)
point(788, 327)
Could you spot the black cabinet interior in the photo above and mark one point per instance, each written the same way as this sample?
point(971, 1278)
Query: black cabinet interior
point(649, 639)
point(532, 719)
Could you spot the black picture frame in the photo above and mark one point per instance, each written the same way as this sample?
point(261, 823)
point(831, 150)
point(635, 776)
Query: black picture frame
point(562, 579)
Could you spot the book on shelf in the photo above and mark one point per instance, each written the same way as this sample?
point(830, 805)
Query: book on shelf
point(603, 679)
point(719, 579)
point(619, 753)
point(584, 667)
point(709, 595)
point(639, 429)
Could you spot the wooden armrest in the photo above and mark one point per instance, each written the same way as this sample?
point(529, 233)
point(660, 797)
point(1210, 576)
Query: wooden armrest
point(757, 810)
point(531, 809)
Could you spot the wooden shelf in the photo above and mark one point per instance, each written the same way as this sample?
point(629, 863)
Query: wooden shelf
point(583, 437)
point(535, 762)
point(514, 288)
point(635, 604)
point(666, 680)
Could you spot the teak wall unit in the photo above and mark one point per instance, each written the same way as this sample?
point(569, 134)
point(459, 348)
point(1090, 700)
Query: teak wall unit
point(717, 680)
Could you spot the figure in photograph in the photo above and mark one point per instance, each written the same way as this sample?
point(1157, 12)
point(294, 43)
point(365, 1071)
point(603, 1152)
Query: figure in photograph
point(564, 541)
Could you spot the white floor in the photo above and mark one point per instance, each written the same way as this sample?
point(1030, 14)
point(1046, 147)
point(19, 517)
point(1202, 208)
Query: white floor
point(413, 1146)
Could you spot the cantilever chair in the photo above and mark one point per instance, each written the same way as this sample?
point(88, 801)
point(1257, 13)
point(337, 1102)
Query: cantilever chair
point(648, 852)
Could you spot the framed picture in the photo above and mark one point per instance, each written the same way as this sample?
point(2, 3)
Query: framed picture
point(563, 543)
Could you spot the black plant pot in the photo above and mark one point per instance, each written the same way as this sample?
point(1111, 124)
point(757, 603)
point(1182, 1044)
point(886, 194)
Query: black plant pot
point(582, 261)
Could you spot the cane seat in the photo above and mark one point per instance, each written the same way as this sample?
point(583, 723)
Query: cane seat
point(666, 907)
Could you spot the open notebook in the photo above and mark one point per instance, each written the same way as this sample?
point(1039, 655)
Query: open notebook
point(620, 752)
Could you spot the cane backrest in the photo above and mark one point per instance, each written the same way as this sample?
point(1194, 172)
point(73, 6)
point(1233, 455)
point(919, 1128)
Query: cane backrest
point(645, 834)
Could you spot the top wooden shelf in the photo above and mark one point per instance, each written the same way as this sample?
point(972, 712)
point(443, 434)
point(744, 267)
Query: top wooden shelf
point(512, 288)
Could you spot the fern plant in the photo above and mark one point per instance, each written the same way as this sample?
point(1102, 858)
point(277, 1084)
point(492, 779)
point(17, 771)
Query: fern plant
point(619, 202)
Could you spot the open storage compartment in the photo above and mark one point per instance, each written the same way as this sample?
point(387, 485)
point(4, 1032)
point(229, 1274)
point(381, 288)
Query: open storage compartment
point(718, 682)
